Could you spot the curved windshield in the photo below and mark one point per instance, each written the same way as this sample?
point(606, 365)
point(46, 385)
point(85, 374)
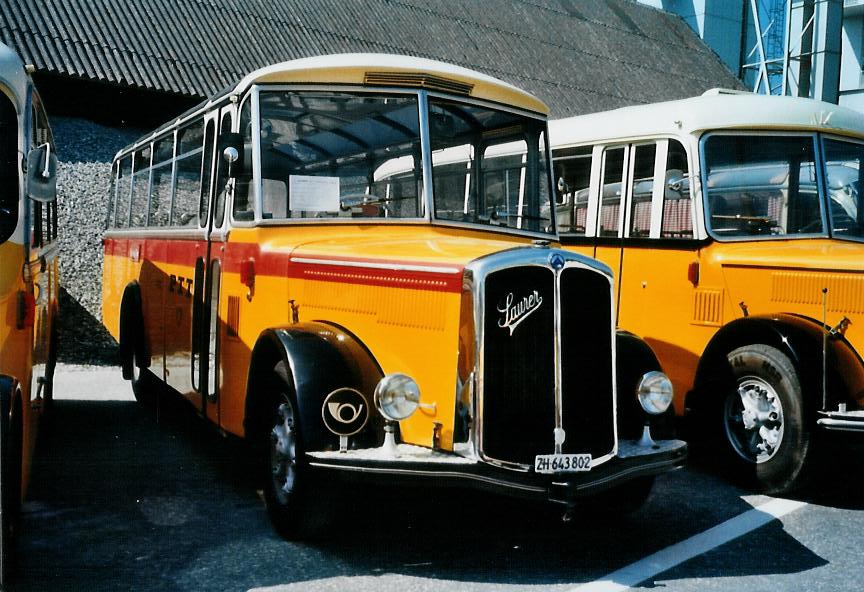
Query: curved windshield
point(844, 170)
point(761, 185)
point(321, 153)
point(489, 167)
point(343, 155)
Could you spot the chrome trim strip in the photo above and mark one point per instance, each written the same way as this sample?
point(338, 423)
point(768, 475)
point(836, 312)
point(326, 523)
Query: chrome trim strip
point(637, 469)
point(455, 475)
point(371, 265)
point(559, 395)
point(256, 161)
point(843, 425)
point(157, 232)
point(479, 269)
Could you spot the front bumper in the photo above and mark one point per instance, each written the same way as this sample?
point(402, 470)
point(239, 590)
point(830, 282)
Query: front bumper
point(422, 466)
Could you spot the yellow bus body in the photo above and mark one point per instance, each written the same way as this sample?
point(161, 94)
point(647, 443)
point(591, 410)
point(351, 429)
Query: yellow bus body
point(719, 249)
point(29, 283)
point(360, 279)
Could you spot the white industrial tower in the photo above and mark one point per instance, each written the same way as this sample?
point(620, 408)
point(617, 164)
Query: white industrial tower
point(808, 48)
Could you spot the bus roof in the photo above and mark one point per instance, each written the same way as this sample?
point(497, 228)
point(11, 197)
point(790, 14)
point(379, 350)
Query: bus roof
point(715, 110)
point(394, 70)
point(13, 77)
point(371, 69)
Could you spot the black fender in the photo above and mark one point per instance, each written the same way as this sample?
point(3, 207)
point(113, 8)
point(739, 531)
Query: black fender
point(321, 358)
point(132, 337)
point(801, 339)
point(634, 358)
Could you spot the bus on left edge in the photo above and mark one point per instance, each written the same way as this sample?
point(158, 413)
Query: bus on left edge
point(28, 285)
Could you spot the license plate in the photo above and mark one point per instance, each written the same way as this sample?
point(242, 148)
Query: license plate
point(562, 463)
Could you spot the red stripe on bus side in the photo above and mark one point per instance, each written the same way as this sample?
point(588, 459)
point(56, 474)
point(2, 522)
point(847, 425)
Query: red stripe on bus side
point(184, 252)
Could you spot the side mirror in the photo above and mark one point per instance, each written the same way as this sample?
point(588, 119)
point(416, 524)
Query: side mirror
point(42, 174)
point(231, 150)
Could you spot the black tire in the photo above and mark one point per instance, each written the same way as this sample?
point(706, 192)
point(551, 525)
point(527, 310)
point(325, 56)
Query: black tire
point(10, 485)
point(133, 352)
point(145, 387)
point(763, 421)
point(289, 494)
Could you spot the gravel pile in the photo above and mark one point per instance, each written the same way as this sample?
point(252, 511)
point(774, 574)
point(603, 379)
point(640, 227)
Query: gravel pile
point(85, 151)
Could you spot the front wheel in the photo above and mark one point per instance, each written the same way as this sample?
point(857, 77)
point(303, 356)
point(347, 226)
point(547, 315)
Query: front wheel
point(763, 419)
point(290, 504)
point(10, 482)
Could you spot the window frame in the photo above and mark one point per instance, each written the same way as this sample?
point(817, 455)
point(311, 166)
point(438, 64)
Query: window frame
point(818, 162)
point(427, 215)
point(822, 138)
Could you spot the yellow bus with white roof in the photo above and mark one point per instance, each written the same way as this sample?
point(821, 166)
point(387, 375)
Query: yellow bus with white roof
point(295, 258)
point(28, 285)
point(734, 224)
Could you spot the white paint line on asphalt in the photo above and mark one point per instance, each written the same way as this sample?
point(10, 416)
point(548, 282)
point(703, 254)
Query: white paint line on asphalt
point(645, 569)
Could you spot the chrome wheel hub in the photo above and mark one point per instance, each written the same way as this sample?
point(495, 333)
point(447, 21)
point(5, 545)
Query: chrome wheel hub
point(754, 420)
point(283, 454)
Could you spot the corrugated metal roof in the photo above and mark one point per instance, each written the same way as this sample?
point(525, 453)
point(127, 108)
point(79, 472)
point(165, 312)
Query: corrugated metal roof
point(578, 56)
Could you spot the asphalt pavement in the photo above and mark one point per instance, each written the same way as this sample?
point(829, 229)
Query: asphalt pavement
point(125, 498)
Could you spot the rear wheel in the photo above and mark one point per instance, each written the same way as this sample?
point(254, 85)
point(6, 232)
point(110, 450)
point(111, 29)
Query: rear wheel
point(144, 384)
point(763, 420)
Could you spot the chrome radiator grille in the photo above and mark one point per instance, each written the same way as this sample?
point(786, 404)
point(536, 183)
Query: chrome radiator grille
point(530, 316)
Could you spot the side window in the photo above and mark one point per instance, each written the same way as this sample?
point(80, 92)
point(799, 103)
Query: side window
point(502, 179)
point(9, 190)
point(124, 184)
point(242, 194)
point(47, 223)
point(572, 168)
point(222, 176)
point(610, 194)
point(41, 129)
point(54, 232)
point(642, 189)
point(36, 221)
point(677, 201)
point(190, 140)
point(762, 184)
point(112, 196)
point(43, 231)
point(206, 172)
point(160, 188)
point(140, 187)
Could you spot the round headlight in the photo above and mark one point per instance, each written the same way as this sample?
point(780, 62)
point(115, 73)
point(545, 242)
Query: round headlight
point(397, 396)
point(655, 392)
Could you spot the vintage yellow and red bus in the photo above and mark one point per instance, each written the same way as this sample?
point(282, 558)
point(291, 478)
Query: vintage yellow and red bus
point(735, 226)
point(296, 258)
point(28, 283)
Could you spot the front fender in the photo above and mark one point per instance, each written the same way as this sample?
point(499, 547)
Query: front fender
point(634, 358)
point(801, 340)
point(321, 358)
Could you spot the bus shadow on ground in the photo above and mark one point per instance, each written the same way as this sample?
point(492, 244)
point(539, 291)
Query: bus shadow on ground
point(82, 338)
point(129, 498)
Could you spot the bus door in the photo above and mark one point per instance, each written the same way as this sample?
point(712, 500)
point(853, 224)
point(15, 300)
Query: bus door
point(657, 266)
point(573, 168)
point(610, 208)
point(42, 262)
point(207, 292)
